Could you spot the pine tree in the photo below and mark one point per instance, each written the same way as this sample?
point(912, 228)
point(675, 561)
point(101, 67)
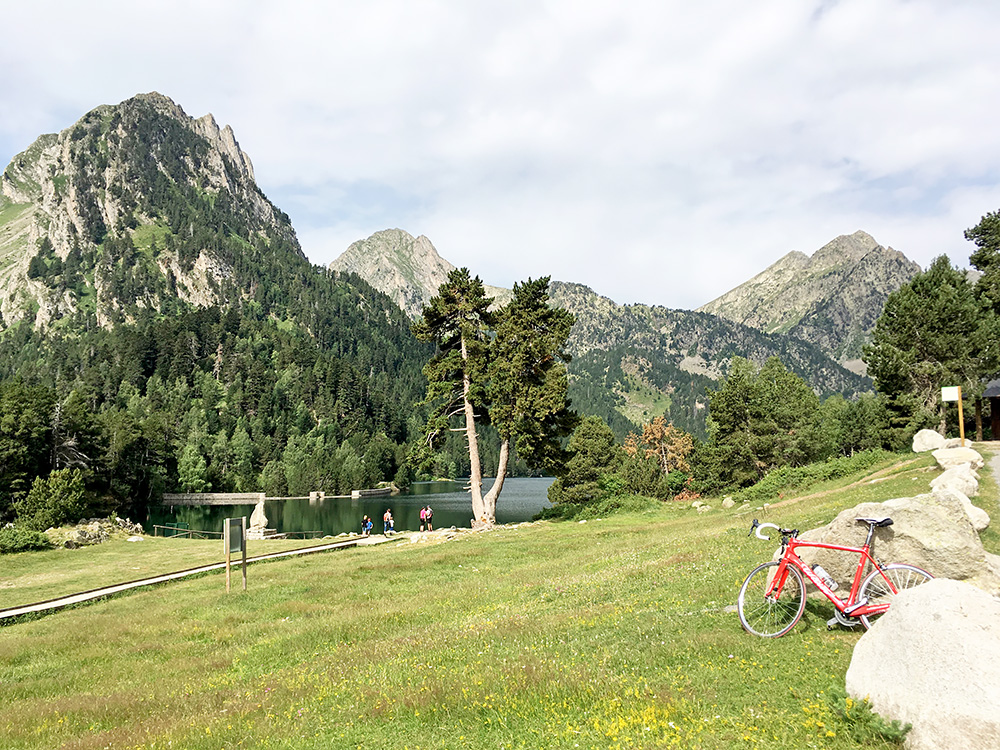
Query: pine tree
point(933, 332)
point(510, 367)
point(459, 321)
point(528, 382)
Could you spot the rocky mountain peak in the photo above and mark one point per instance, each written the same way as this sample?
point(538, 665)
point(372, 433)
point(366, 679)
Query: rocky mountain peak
point(143, 175)
point(847, 248)
point(831, 298)
point(224, 141)
point(406, 268)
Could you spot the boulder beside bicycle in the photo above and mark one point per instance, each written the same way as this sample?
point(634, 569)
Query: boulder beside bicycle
point(932, 531)
point(933, 660)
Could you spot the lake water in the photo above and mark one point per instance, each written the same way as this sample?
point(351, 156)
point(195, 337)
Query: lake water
point(521, 499)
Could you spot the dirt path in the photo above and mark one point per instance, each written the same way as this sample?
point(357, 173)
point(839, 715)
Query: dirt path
point(877, 476)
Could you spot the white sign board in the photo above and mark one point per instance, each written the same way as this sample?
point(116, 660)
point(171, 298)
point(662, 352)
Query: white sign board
point(952, 393)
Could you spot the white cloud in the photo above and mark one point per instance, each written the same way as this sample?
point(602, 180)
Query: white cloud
point(658, 151)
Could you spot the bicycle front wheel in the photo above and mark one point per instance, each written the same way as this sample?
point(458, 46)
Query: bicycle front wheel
point(877, 590)
point(771, 616)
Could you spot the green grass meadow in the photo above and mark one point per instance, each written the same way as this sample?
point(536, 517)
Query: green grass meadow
point(614, 633)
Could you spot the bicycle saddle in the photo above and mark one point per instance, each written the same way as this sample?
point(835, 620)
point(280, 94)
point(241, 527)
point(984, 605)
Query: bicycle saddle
point(875, 521)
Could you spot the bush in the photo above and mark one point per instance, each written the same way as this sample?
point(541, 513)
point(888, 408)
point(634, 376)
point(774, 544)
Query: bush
point(798, 477)
point(601, 508)
point(20, 539)
point(52, 501)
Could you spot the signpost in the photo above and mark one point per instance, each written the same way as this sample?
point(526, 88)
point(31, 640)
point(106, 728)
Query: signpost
point(235, 540)
point(954, 393)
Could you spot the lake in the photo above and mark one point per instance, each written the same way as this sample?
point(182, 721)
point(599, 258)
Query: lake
point(521, 499)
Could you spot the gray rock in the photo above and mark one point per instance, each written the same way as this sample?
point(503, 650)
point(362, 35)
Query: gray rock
point(978, 517)
point(927, 440)
point(728, 502)
point(957, 443)
point(931, 531)
point(704, 508)
point(933, 660)
point(134, 539)
point(257, 518)
point(962, 478)
point(949, 457)
point(697, 504)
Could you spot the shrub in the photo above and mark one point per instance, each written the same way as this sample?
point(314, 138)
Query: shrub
point(20, 539)
point(52, 501)
point(601, 508)
point(798, 477)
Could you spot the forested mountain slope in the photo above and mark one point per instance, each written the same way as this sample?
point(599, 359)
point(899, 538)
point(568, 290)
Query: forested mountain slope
point(650, 360)
point(163, 330)
point(630, 362)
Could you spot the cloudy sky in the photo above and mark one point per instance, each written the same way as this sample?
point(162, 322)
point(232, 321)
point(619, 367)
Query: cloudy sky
point(659, 152)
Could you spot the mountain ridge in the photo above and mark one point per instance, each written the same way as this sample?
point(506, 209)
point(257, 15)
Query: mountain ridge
point(831, 299)
point(630, 362)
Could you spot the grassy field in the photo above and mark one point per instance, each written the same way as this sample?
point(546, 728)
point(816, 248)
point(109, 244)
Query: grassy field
point(39, 576)
point(617, 633)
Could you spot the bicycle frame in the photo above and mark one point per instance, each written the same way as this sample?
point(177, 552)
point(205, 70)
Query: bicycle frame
point(850, 606)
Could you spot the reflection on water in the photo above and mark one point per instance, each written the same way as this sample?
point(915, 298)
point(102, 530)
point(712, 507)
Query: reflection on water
point(520, 500)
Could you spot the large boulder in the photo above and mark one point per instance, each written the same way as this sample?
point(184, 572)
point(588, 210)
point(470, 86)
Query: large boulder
point(962, 478)
point(257, 518)
point(957, 443)
point(949, 457)
point(933, 661)
point(931, 531)
point(978, 517)
point(927, 440)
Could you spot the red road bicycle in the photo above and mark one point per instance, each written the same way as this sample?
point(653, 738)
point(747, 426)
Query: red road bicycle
point(773, 597)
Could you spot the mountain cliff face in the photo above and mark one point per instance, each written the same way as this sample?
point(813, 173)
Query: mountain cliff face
point(408, 269)
point(134, 204)
point(831, 299)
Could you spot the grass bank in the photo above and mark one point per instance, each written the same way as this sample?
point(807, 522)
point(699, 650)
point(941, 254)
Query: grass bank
point(605, 634)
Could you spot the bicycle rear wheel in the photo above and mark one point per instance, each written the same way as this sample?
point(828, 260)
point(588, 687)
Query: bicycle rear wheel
point(877, 591)
point(771, 616)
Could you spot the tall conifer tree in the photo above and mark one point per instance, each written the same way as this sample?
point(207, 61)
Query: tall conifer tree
point(508, 368)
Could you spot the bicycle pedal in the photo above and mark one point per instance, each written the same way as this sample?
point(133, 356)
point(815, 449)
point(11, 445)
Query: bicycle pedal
point(832, 623)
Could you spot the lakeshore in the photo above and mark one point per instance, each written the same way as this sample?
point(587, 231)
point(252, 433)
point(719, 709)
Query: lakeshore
point(522, 498)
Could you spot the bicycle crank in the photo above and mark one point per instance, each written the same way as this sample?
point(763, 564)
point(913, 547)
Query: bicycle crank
point(839, 618)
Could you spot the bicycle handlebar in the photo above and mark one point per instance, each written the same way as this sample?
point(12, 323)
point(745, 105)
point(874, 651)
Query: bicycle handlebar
point(757, 526)
point(765, 526)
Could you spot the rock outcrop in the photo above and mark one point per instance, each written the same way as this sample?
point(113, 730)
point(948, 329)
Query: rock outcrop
point(94, 531)
point(933, 661)
point(948, 458)
point(962, 478)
